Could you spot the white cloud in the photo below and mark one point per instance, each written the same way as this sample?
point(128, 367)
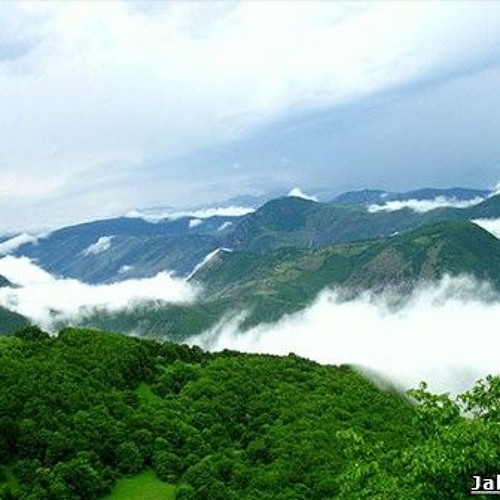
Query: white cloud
point(44, 299)
point(21, 271)
point(231, 211)
point(125, 269)
point(206, 260)
point(224, 226)
point(421, 206)
point(490, 225)
point(104, 85)
point(14, 243)
point(157, 215)
point(195, 223)
point(298, 193)
point(446, 334)
point(101, 245)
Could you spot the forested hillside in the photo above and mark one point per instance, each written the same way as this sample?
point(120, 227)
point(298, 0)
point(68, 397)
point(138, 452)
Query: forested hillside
point(286, 280)
point(81, 410)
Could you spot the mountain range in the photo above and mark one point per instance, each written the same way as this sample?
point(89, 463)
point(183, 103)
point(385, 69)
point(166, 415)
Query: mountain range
point(286, 280)
point(121, 248)
point(276, 259)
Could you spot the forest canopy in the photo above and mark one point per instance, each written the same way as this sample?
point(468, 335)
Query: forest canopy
point(80, 410)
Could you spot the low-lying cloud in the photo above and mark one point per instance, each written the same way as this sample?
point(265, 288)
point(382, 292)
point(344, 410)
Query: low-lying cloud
point(490, 225)
point(157, 215)
point(15, 242)
point(46, 300)
point(421, 206)
point(298, 193)
point(101, 245)
point(445, 333)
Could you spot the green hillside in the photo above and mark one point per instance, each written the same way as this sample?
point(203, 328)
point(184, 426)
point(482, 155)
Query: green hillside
point(89, 415)
point(11, 321)
point(287, 280)
point(294, 222)
point(84, 409)
point(271, 284)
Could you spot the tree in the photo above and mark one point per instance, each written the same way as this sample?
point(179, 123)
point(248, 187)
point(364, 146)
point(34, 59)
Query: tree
point(32, 333)
point(129, 458)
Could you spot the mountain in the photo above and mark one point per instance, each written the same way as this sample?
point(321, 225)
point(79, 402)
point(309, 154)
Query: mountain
point(295, 222)
point(116, 249)
point(424, 253)
point(362, 196)
point(4, 282)
point(86, 408)
point(271, 284)
point(371, 196)
point(288, 279)
point(10, 321)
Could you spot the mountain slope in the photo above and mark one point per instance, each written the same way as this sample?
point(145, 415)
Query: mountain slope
point(426, 253)
point(305, 224)
point(10, 321)
point(369, 196)
point(4, 282)
point(286, 280)
point(116, 249)
point(84, 408)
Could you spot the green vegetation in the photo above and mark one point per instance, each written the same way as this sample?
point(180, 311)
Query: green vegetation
point(288, 279)
point(294, 222)
point(10, 321)
point(89, 414)
point(80, 411)
point(458, 439)
point(143, 486)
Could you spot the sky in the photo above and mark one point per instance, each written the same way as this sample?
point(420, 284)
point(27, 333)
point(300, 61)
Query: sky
point(110, 106)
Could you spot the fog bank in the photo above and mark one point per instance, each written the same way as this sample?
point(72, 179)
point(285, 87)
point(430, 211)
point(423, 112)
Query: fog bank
point(45, 299)
point(445, 334)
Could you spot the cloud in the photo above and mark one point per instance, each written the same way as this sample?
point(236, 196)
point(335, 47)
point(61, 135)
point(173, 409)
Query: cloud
point(298, 193)
point(125, 269)
point(490, 225)
point(194, 223)
point(45, 299)
point(224, 226)
point(156, 215)
point(421, 206)
point(444, 333)
point(100, 246)
point(206, 260)
point(113, 104)
point(12, 244)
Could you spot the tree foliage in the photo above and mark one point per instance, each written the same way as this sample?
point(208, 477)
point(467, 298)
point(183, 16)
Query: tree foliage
point(79, 410)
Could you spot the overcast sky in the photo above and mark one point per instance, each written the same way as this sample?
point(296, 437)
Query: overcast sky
point(109, 106)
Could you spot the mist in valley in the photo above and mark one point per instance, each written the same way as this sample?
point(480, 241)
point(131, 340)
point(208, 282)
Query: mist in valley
point(444, 333)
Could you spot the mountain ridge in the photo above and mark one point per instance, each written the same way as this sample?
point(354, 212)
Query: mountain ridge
point(287, 280)
point(136, 248)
